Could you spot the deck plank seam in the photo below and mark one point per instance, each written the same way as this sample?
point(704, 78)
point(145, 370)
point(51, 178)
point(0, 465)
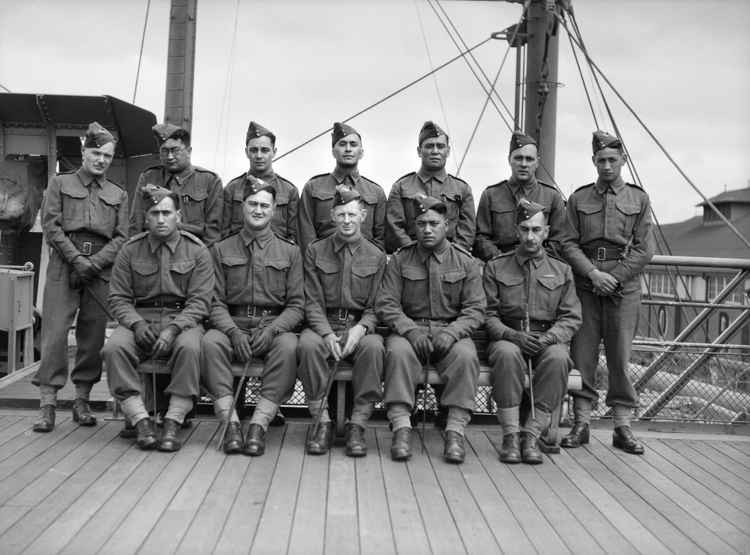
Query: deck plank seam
point(385, 490)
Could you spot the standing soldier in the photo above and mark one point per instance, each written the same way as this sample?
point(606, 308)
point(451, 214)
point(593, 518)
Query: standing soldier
point(342, 277)
point(200, 190)
point(317, 195)
point(260, 148)
point(611, 223)
point(84, 217)
point(431, 180)
point(432, 299)
point(532, 311)
point(160, 293)
point(496, 214)
point(258, 301)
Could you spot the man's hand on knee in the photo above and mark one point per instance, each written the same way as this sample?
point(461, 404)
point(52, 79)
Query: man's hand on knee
point(165, 341)
point(420, 341)
point(241, 345)
point(145, 336)
point(442, 344)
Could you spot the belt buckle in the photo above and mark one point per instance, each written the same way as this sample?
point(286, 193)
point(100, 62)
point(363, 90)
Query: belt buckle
point(250, 311)
point(601, 254)
point(86, 247)
point(342, 313)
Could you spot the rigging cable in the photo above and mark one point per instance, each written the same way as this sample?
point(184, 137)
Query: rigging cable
point(658, 143)
point(387, 97)
point(140, 52)
point(5, 88)
point(435, 80)
point(227, 91)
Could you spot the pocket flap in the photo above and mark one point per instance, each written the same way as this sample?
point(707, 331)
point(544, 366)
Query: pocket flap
point(195, 193)
point(182, 267)
point(364, 271)
point(72, 189)
point(510, 280)
point(454, 276)
point(589, 208)
point(234, 261)
point(144, 268)
point(414, 272)
point(278, 264)
point(322, 194)
point(327, 266)
point(110, 196)
point(550, 282)
point(628, 208)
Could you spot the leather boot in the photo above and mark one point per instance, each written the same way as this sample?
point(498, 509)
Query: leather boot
point(401, 444)
point(354, 435)
point(278, 420)
point(454, 451)
point(169, 441)
point(128, 431)
point(530, 453)
point(319, 443)
point(233, 439)
point(82, 413)
point(255, 441)
point(510, 452)
point(623, 439)
point(578, 435)
point(145, 434)
point(46, 421)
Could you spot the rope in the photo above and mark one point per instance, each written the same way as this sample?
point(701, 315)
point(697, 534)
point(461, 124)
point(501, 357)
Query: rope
point(658, 143)
point(583, 82)
point(227, 90)
point(6, 89)
point(140, 51)
point(386, 98)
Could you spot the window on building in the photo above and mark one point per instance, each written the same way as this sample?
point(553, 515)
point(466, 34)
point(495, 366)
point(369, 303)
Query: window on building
point(660, 283)
point(716, 283)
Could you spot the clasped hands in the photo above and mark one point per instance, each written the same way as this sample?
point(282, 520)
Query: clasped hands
point(531, 343)
point(244, 345)
point(156, 344)
point(350, 339)
point(428, 349)
point(604, 283)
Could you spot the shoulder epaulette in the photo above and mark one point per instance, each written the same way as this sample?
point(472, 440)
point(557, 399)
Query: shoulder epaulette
point(116, 184)
point(556, 257)
point(285, 239)
point(241, 176)
point(204, 170)
point(369, 180)
point(406, 246)
point(373, 243)
point(158, 167)
point(137, 237)
point(585, 186)
point(192, 237)
point(319, 176)
point(458, 179)
point(502, 255)
point(405, 176)
point(547, 185)
point(66, 173)
point(462, 249)
point(635, 186)
point(285, 180)
point(498, 184)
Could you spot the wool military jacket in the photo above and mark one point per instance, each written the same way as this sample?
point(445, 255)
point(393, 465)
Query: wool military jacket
point(147, 269)
point(81, 202)
point(201, 199)
point(540, 288)
point(454, 192)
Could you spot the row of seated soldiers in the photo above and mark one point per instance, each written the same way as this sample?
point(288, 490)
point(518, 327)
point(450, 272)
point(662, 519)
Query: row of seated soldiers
point(431, 296)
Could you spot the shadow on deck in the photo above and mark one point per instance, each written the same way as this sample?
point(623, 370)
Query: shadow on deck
point(85, 490)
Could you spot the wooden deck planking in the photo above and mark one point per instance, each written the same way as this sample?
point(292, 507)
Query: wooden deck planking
point(342, 522)
point(734, 452)
point(26, 446)
point(6, 421)
point(14, 429)
point(714, 467)
point(729, 458)
point(743, 446)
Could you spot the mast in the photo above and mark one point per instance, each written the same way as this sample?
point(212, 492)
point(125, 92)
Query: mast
point(178, 104)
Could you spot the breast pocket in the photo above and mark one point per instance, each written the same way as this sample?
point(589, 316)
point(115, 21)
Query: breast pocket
point(181, 272)
point(74, 205)
point(280, 217)
point(362, 282)
point(511, 292)
point(504, 225)
point(107, 211)
point(452, 285)
point(145, 278)
point(276, 273)
point(415, 288)
point(329, 275)
point(235, 274)
point(627, 213)
point(193, 202)
point(590, 221)
point(453, 203)
point(549, 294)
point(323, 205)
point(371, 202)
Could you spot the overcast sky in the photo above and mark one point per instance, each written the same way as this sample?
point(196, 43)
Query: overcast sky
point(297, 66)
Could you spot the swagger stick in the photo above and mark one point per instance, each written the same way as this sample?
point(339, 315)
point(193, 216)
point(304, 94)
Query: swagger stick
point(225, 421)
point(529, 368)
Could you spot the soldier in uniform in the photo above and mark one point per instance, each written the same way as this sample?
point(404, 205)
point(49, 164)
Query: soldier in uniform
point(611, 228)
point(260, 148)
point(430, 180)
point(532, 311)
point(199, 189)
point(496, 214)
point(432, 300)
point(258, 302)
point(84, 217)
point(317, 195)
point(342, 275)
point(160, 293)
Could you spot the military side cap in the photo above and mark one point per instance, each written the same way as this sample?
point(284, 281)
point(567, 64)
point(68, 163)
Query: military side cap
point(253, 185)
point(430, 130)
point(341, 130)
point(344, 195)
point(526, 209)
point(518, 140)
point(97, 136)
point(423, 203)
point(153, 195)
point(255, 130)
point(164, 131)
point(602, 139)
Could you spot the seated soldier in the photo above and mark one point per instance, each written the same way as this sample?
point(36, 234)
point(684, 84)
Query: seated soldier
point(258, 302)
point(160, 292)
point(432, 299)
point(342, 276)
point(532, 311)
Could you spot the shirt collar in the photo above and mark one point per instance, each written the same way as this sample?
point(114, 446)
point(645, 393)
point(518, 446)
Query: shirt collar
point(440, 254)
point(339, 243)
point(616, 186)
point(523, 258)
point(425, 176)
point(181, 176)
point(340, 175)
point(261, 236)
point(87, 177)
point(516, 186)
point(267, 176)
point(171, 242)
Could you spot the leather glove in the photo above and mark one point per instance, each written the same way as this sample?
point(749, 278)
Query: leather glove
point(528, 343)
point(332, 341)
point(241, 345)
point(165, 340)
point(442, 344)
point(261, 340)
point(420, 340)
point(84, 267)
point(352, 339)
point(145, 336)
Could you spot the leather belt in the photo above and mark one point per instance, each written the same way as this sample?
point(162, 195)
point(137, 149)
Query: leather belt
point(601, 254)
point(251, 311)
point(428, 321)
point(87, 243)
point(519, 324)
point(343, 314)
point(166, 301)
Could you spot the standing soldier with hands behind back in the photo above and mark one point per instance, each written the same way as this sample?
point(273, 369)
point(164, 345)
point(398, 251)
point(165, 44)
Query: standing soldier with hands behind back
point(84, 217)
point(611, 223)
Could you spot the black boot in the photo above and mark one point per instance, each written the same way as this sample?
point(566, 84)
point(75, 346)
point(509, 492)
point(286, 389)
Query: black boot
point(169, 441)
point(145, 434)
point(578, 435)
point(319, 441)
point(401, 444)
point(46, 421)
point(454, 451)
point(233, 439)
point(510, 452)
point(354, 435)
point(530, 453)
point(255, 441)
point(82, 413)
point(623, 439)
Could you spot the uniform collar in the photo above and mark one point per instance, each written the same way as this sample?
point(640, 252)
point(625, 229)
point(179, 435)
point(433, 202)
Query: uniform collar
point(616, 186)
point(440, 253)
point(181, 176)
point(425, 175)
point(154, 243)
point(340, 175)
point(87, 178)
point(267, 176)
point(261, 236)
point(516, 186)
point(536, 260)
point(339, 243)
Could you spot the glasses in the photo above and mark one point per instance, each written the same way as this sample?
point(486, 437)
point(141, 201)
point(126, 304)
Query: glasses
point(174, 151)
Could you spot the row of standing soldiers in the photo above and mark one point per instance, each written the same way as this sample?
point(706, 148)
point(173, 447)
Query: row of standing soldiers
point(226, 260)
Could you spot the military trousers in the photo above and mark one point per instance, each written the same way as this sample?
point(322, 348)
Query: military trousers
point(614, 320)
point(367, 359)
point(60, 305)
point(279, 366)
point(121, 357)
point(459, 370)
point(509, 368)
